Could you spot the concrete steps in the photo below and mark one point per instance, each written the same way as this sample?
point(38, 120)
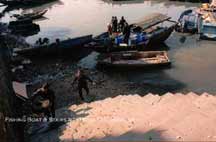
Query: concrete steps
point(171, 117)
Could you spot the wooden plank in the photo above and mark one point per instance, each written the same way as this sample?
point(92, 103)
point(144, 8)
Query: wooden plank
point(151, 20)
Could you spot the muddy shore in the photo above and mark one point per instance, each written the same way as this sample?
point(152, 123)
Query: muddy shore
point(60, 74)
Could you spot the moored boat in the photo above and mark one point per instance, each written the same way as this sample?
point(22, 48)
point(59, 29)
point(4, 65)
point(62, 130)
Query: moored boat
point(24, 2)
point(60, 48)
point(207, 27)
point(31, 16)
point(188, 22)
point(144, 34)
point(135, 59)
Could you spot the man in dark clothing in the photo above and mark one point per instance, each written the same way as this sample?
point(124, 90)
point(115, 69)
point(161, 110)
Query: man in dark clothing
point(44, 101)
point(82, 82)
point(115, 24)
point(112, 23)
point(122, 23)
point(126, 33)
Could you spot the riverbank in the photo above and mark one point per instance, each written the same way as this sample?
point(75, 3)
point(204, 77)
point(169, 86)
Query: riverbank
point(60, 74)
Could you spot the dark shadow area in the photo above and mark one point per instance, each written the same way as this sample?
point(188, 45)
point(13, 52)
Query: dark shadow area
point(53, 133)
point(152, 135)
point(51, 65)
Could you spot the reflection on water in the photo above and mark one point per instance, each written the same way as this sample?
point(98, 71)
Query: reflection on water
point(193, 61)
point(80, 17)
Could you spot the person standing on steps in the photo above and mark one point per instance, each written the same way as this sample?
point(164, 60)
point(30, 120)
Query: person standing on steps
point(82, 80)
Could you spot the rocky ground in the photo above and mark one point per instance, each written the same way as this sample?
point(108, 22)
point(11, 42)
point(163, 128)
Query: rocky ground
point(60, 74)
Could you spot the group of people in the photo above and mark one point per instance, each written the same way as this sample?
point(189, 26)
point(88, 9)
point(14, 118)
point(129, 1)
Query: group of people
point(114, 26)
point(46, 41)
point(43, 41)
point(43, 99)
point(119, 27)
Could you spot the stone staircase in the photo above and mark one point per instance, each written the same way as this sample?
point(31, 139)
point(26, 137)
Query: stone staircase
point(171, 117)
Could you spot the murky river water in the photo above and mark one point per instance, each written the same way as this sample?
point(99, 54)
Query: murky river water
point(193, 61)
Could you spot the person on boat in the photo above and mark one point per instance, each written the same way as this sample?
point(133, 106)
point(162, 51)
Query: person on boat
point(58, 42)
point(115, 24)
point(112, 23)
point(126, 33)
point(45, 41)
point(39, 41)
point(46, 101)
point(109, 28)
point(122, 23)
point(82, 79)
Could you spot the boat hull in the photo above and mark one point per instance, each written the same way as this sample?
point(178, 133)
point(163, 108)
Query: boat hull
point(12, 3)
point(153, 40)
point(105, 63)
point(70, 47)
point(31, 16)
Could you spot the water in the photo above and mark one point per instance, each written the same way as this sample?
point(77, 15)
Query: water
point(193, 61)
point(71, 18)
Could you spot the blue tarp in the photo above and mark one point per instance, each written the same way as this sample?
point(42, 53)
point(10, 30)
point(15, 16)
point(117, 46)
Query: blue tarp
point(135, 38)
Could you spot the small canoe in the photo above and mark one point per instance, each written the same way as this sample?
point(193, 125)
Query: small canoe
point(66, 47)
point(31, 16)
point(135, 59)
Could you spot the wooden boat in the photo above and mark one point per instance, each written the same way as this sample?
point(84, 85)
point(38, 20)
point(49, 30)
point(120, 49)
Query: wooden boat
point(31, 16)
point(152, 31)
point(66, 47)
point(207, 28)
point(24, 2)
point(135, 59)
point(188, 22)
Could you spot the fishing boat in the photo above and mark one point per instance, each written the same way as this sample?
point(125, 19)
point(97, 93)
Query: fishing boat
point(30, 16)
point(151, 30)
point(135, 59)
point(207, 27)
point(24, 2)
point(66, 47)
point(188, 22)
